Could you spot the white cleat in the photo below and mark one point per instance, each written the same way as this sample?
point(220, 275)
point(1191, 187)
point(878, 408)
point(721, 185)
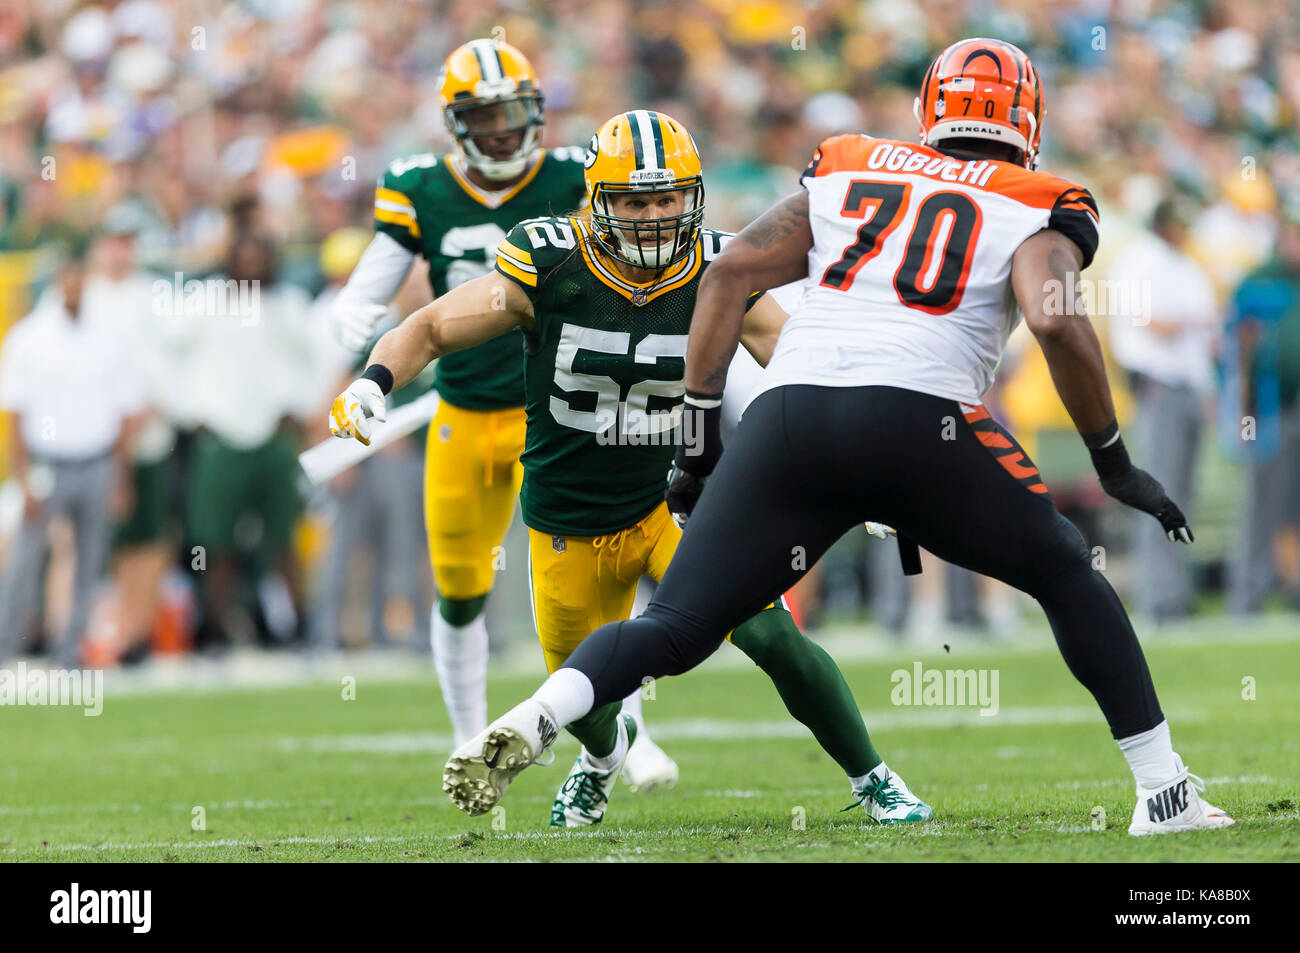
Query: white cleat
point(477, 774)
point(1176, 806)
point(891, 801)
point(583, 798)
point(648, 766)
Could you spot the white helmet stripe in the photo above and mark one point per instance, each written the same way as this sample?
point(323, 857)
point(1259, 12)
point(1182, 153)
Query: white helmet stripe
point(489, 62)
point(646, 132)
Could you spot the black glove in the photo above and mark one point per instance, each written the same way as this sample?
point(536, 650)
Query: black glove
point(697, 453)
point(684, 491)
point(1134, 487)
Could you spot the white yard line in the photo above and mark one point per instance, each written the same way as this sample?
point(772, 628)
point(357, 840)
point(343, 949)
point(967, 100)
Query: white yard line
point(254, 669)
point(716, 729)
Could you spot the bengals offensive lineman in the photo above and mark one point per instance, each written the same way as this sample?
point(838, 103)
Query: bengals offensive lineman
point(917, 257)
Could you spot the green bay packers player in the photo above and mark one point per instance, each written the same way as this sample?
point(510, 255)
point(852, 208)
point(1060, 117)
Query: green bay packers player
point(453, 211)
point(604, 302)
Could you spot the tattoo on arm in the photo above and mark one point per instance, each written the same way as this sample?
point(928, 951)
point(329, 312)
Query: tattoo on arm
point(1063, 262)
point(788, 217)
point(716, 379)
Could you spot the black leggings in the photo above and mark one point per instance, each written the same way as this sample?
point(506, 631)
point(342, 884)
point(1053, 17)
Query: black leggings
point(808, 464)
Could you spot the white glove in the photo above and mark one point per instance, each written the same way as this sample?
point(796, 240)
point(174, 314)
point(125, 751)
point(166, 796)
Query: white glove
point(880, 530)
point(349, 417)
point(355, 322)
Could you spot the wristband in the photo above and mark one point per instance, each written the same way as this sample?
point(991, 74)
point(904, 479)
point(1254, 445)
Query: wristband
point(1111, 460)
point(1103, 437)
point(381, 376)
point(701, 434)
point(704, 401)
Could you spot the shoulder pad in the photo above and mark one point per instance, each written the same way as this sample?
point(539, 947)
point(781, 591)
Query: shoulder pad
point(1074, 214)
point(839, 153)
point(533, 247)
point(547, 233)
point(402, 169)
point(568, 154)
point(712, 242)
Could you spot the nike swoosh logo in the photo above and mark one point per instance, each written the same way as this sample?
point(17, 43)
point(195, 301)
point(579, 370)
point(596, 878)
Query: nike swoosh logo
point(492, 762)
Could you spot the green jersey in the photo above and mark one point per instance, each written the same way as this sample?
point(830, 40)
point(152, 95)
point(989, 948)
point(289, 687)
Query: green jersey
point(428, 205)
point(603, 379)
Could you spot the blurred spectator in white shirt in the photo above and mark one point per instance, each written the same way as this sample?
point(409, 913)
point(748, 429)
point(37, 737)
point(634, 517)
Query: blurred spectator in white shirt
point(1165, 340)
point(120, 299)
point(254, 377)
point(71, 392)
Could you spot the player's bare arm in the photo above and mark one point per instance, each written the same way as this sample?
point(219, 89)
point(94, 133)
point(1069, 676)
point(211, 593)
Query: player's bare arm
point(761, 327)
point(473, 313)
point(1042, 266)
point(771, 251)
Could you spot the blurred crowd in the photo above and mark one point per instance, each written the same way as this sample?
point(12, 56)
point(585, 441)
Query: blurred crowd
point(238, 141)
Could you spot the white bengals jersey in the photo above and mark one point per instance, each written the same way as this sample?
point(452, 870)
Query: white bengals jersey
point(909, 276)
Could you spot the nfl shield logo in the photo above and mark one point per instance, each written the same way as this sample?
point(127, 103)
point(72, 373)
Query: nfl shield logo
point(639, 297)
point(557, 543)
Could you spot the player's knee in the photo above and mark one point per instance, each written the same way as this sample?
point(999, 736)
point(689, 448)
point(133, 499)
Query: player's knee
point(684, 644)
point(1077, 583)
point(461, 611)
point(462, 579)
point(771, 640)
point(1062, 552)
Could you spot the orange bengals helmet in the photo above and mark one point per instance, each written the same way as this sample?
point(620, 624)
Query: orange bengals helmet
point(982, 89)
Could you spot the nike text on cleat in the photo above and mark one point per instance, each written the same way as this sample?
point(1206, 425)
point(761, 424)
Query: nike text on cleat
point(478, 772)
point(648, 767)
point(584, 795)
point(890, 801)
point(1176, 806)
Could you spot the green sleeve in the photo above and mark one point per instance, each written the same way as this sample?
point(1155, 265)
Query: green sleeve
point(516, 261)
point(395, 207)
point(533, 248)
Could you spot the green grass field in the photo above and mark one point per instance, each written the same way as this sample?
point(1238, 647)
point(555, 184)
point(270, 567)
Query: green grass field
point(297, 773)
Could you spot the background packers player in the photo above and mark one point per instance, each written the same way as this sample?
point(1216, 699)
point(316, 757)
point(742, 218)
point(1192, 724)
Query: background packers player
point(605, 304)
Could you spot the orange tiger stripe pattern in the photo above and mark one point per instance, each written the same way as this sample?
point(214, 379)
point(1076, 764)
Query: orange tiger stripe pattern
point(1004, 448)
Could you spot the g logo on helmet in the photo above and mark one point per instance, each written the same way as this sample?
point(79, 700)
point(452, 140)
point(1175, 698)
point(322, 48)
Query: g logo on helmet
point(592, 150)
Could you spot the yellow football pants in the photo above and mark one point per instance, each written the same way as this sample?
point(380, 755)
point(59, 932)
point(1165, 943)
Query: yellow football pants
point(471, 481)
point(582, 582)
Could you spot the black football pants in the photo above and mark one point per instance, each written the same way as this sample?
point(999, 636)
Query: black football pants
point(808, 464)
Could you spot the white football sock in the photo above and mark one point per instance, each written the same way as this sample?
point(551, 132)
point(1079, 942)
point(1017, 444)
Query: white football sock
point(1151, 756)
point(872, 777)
point(460, 656)
point(567, 694)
